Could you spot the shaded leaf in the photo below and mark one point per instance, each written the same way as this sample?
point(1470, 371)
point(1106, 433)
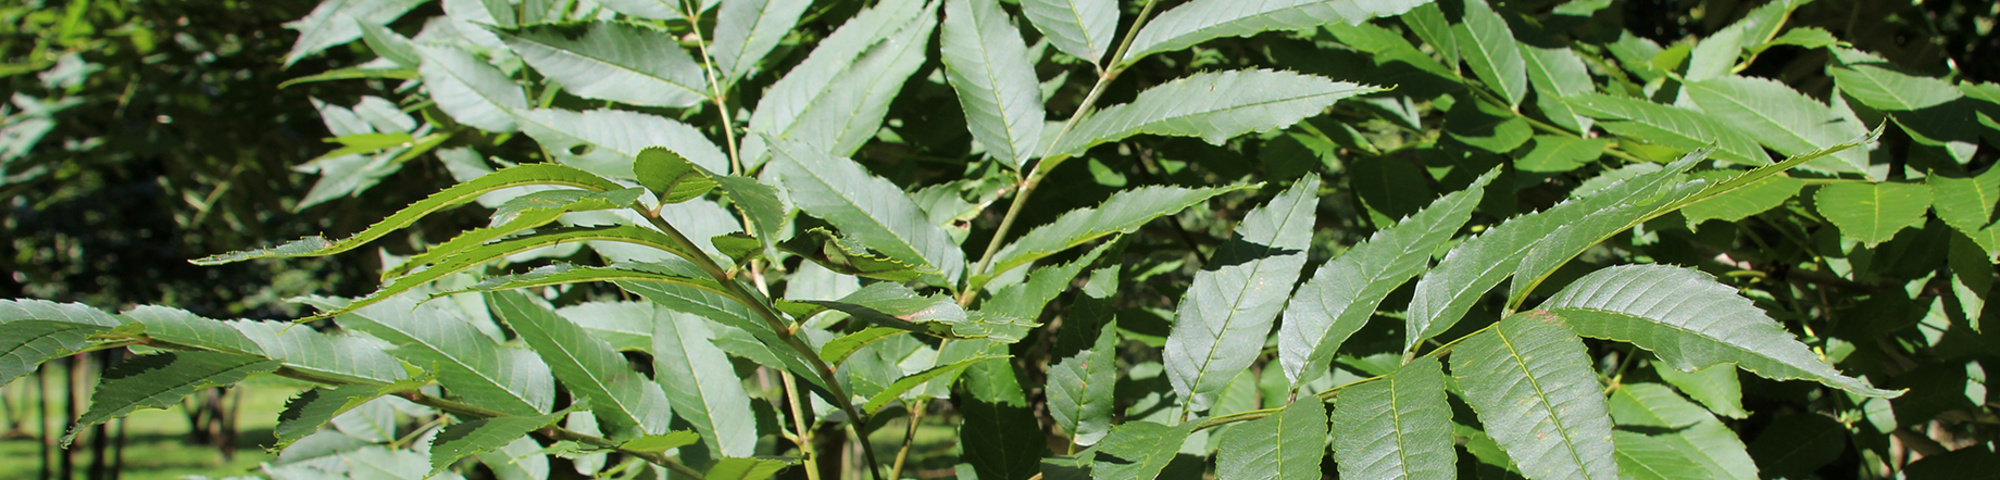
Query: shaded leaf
point(1715, 387)
point(305, 413)
point(1138, 450)
point(1872, 213)
point(670, 176)
point(160, 380)
point(1696, 446)
point(481, 435)
point(1080, 389)
point(746, 468)
point(1489, 48)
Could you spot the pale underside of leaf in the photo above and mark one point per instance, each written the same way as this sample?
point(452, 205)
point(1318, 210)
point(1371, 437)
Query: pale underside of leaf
point(1531, 383)
point(589, 367)
point(472, 91)
point(1081, 28)
point(746, 30)
point(1690, 321)
point(988, 65)
point(1203, 20)
point(1223, 319)
point(868, 207)
point(1212, 105)
point(1782, 118)
point(1342, 295)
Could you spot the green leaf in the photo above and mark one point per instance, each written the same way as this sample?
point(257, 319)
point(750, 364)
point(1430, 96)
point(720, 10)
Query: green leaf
point(847, 111)
point(1396, 427)
point(1488, 46)
point(339, 357)
point(1001, 438)
point(905, 384)
point(1124, 212)
point(306, 413)
point(1431, 26)
point(1558, 73)
point(1026, 300)
point(620, 62)
point(532, 174)
point(1203, 20)
point(746, 468)
point(1080, 389)
point(1343, 293)
point(662, 443)
point(1872, 213)
point(1551, 153)
point(899, 307)
point(1651, 123)
point(1530, 381)
point(768, 212)
point(1707, 325)
point(1222, 321)
point(1533, 245)
point(701, 384)
point(1966, 204)
point(725, 310)
point(1138, 450)
point(820, 92)
point(472, 91)
point(628, 404)
point(838, 349)
point(1882, 87)
point(565, 273)
point(1082, 28)
point(1714, 57)
point(1212, 105)
point(481, 255)
point(518, 214)
point(481, 435)
point(1715, 387)
point(336, 22)
point(1488, 127)
point(36, 331)
point(1781, 118)
point(1699, 447)
point(160, 380)
point(651, 9)
point(25, 343)
point(868, 207)
point(469, 364)
point(605, 141)
point(988, 66)
point(670, 176)
point(1286, 446)
point(1750, 200)
point(178, 327)
point(747, 30)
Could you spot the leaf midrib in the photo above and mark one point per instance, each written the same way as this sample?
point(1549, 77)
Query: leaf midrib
point(1541, 397)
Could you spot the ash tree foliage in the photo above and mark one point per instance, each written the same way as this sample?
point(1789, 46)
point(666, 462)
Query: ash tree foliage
point(1249, 239)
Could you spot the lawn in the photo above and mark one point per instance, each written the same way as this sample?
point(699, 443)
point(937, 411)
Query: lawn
point(156, 441)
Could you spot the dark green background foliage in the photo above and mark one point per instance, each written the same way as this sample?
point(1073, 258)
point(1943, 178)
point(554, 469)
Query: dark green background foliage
point(1019, 238)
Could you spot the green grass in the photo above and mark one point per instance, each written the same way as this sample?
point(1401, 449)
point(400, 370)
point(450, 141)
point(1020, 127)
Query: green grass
point(156, 441)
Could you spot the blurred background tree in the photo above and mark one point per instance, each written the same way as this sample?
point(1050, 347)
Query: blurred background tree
point(141, 133)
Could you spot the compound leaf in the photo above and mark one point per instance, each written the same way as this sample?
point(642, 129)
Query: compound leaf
point(866, 206)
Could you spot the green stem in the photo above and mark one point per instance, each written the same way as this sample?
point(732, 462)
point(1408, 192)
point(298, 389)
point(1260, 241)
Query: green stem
point(1324, 396)
point(556, 433)
point(1048, 163)
point(784, 329)
point(805, 437)
point(714, 87)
